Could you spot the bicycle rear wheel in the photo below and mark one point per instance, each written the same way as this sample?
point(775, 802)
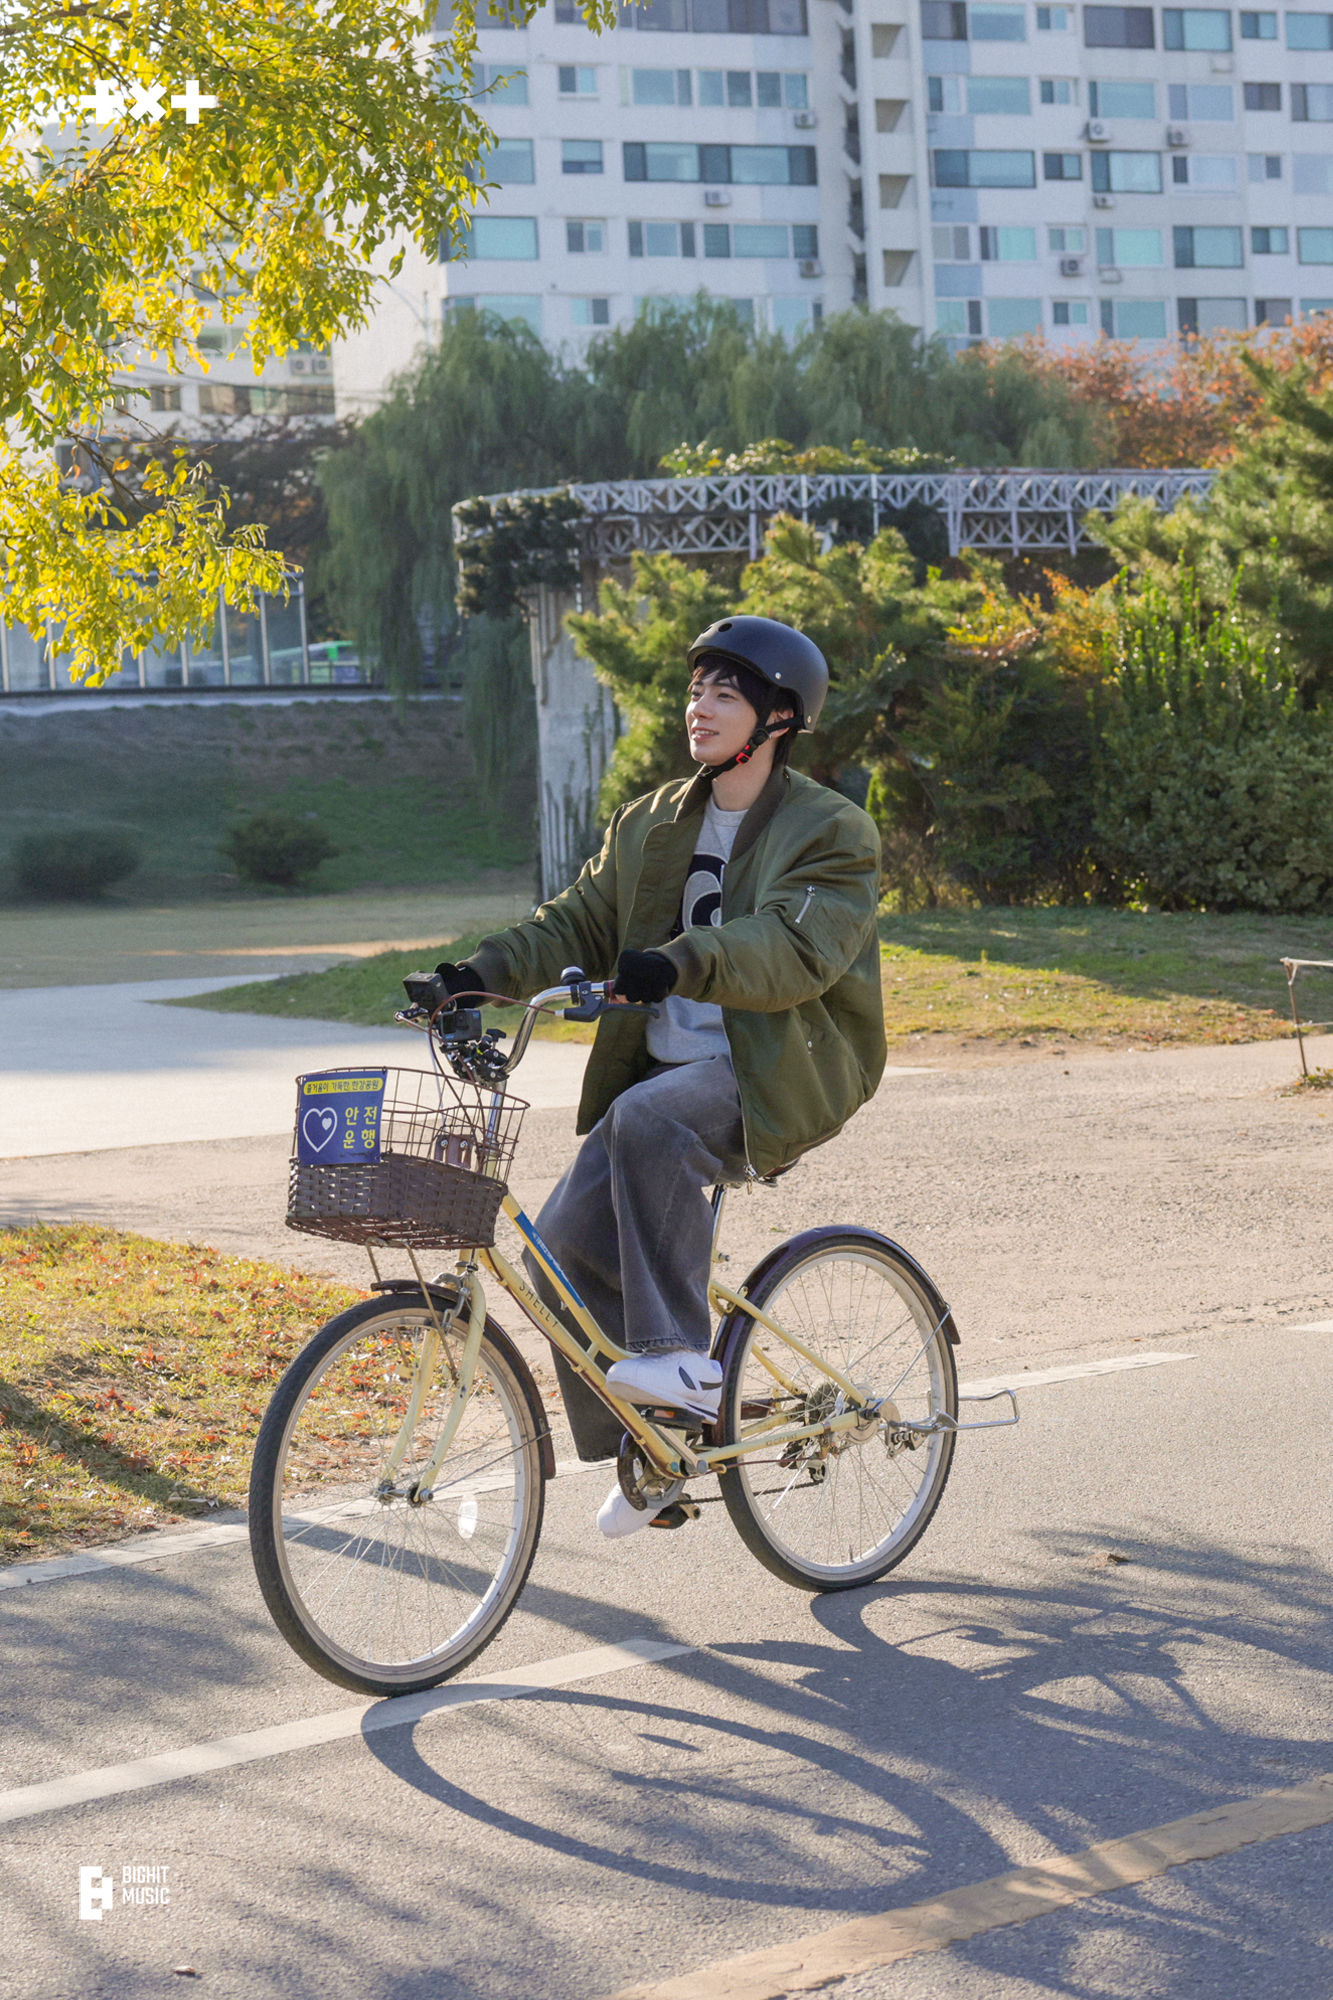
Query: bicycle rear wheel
point(830, 1515)
point(374, 1589)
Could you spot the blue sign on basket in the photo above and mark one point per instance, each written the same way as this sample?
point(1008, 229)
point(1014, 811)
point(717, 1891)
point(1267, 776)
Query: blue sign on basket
point(338, 1116)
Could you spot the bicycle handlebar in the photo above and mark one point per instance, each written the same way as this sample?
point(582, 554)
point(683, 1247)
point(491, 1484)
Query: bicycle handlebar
point(458, 1030)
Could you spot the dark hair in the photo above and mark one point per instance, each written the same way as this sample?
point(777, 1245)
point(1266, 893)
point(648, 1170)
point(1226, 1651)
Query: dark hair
point(762, 696)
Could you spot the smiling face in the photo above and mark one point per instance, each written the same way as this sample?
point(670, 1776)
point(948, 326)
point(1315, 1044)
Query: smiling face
point(718, 718)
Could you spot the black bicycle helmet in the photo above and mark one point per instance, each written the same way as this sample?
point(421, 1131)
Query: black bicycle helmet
point(778, 653)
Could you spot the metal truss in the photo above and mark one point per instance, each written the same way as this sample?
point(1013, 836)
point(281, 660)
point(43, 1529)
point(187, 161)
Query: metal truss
point(1009, 513)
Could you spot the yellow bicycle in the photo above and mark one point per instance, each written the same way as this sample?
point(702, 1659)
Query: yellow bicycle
point(398, 1484)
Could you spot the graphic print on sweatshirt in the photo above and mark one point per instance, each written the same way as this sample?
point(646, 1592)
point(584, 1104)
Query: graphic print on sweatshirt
point(701, 898)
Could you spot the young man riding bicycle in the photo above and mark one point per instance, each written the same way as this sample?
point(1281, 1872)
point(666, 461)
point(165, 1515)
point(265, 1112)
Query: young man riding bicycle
point(741, 903)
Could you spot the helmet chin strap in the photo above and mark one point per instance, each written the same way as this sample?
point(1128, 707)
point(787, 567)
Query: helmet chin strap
point(743, 755)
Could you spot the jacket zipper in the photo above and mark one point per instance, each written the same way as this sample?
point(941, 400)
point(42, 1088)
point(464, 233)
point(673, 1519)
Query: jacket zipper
point(800, 915)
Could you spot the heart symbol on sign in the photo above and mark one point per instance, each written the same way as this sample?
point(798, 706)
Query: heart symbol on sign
point(319, 1127)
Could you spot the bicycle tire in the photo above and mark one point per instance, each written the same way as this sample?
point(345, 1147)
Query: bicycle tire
point(811, 1286)
point(427, 1586)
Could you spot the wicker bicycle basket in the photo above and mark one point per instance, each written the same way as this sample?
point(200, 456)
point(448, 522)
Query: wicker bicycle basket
point(445, 1152)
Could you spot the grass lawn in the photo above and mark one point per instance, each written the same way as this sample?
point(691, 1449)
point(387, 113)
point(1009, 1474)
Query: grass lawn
point(391, 782)
point(133, 1376)
point(984, 976)
point(1099, 975)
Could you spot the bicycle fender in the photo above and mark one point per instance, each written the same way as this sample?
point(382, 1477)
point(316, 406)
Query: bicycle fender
point(812, 1239)
point(443, 1301)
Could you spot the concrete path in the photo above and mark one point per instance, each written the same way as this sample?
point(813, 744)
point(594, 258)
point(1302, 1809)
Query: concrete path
point(105, 1067)
point(584, 1818)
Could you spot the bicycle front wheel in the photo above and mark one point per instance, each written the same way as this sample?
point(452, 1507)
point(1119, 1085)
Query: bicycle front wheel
point(375, 1587)
point(830, 1514)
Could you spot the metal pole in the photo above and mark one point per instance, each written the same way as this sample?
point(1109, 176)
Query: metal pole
point(1291, 967)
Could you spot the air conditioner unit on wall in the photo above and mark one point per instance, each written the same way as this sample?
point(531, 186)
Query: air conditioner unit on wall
point(1071, 267)
point(1099, 132)
point(805, 121)
point(1177, 135)
point(716, 198)
point(1107, 274)
point(1103, 201)
point(810, 267)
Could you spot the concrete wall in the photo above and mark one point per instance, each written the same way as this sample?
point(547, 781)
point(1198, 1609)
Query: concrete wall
point(577, 727)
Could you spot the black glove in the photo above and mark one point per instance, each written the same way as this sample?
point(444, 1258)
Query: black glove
point(459, 978)
point(644, 976)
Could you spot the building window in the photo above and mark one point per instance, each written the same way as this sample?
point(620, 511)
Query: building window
point(1258, 27)
point(587, 239)
point(581, 156)
point(984, 170)
point(509, 162)
point(661, 239)
point(1057, 20)
point(1062, 166)
point(1066, 242)
point(746, 166)
point(590, 312)
point(164, 398)
point(1211, 315)
point(1069, 312)
point(772, 88)
point(502, 237)
point(1010, 319)
point(805, 241)
point(1129, 249)
point(1216, 248)
point(1118, 28)
point(943, 21)
point(717, 239)
point(1314, 308)
point(1203, 103)
point(1206, 28)
point(1127, 173)
point(655, 86)
point(1311, 103)
point(502, 85)
point(1210, 172)
point(704, 17)
point(1268, 242)
point(1263, 96)
point(1310, 31)
point(1272, 312)
point(760, 239)
point(521, 309)
point(951, 243)
point(997, 24)
point(1005, 96)
point(576, 81)
point(1265, 166)
point(1008, 246)
point(1134, 319)
point(1314, 246)
point(1122, 100)
point(959, 319)
point(1058, 90)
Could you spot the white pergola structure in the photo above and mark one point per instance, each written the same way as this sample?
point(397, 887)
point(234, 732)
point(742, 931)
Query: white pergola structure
point(995, 513)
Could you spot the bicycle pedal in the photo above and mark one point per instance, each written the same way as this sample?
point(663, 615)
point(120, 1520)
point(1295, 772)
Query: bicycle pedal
point(676, 1515)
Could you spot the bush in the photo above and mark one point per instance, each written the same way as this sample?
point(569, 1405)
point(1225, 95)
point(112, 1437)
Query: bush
point(1215, 784)
point(70, 863)
point(276, 848)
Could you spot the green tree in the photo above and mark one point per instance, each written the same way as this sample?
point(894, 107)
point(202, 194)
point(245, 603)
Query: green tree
point(333, 130)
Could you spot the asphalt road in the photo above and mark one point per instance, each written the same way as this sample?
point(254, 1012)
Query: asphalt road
point(1011, 1695)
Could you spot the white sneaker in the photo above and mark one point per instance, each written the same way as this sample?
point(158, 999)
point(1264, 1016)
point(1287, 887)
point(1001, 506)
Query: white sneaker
point(617, 1518)
point(680, 1378)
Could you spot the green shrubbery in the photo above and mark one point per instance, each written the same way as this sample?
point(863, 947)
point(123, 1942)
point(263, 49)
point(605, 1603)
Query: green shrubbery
point(277, 849)
point(74, 863)
point(1214, 784)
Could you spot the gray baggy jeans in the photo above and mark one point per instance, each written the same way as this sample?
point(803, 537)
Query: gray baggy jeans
point(629, 1223)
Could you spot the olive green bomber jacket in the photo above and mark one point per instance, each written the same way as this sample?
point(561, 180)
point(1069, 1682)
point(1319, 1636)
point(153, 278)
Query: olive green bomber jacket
point(794, 963)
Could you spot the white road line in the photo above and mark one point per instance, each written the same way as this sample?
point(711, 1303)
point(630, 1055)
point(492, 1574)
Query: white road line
point(224, 1752)
point(1073, 1371)
point(193, 1541)
point(1315, 1326)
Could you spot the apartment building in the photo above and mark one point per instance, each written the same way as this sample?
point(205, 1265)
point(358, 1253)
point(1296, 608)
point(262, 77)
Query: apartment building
point(1139, 171)
point(762, 151)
